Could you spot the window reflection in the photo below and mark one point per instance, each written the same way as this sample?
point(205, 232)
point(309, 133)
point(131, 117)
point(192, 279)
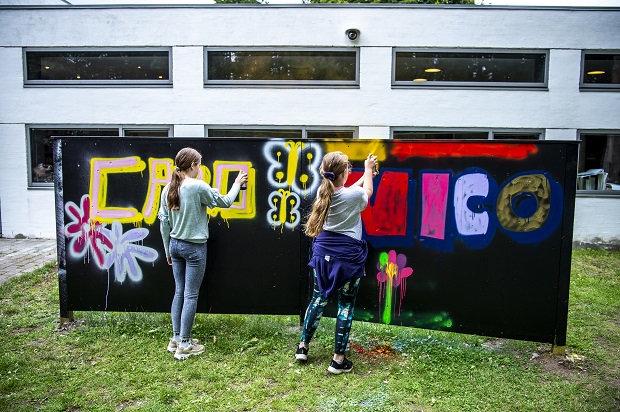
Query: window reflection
point(419, 67)
point(97, 66)
point(146, 132)
point(41, 151)
point(465, 135)
point(330, 134)
point(281, 133)
point(41, 146)
point(259, 133)
point(599, 162)
point(281, 66)
point(421, 135)
point(601, 69)
point(516, 136)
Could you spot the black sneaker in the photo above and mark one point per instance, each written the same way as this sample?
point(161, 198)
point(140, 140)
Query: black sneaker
point(338, 368)
point(301, 354)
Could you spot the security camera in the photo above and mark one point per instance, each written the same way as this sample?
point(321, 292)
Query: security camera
point(353, 33)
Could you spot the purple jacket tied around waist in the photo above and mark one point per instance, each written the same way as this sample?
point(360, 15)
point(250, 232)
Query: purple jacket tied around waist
point(336, 259)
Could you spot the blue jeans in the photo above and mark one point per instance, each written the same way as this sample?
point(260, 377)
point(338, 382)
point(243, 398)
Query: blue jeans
point(188, 267)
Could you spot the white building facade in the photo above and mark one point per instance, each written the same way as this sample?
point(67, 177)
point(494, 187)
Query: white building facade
point(203, 71)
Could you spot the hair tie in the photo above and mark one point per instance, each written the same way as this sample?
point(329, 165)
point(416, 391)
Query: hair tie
point(177, 169)
point(329, 176)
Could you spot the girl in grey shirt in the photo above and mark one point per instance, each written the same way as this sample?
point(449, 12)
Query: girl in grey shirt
point(184, 230)
point(338, 251)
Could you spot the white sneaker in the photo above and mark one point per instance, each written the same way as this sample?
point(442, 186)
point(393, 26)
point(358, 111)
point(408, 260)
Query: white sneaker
point(192, 350)
point(173, 344)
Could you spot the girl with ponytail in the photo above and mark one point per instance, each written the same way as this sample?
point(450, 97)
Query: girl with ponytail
point(338, 251)
point(184, 229)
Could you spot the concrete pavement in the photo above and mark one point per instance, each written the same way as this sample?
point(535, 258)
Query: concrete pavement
point(18, 256)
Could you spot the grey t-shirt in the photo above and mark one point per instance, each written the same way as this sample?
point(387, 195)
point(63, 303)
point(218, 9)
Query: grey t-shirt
point(344, 212)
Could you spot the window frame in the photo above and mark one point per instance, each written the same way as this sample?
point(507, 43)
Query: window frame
point(120, 130)
point(95, 83)
point(596, 87)
point(595, 193)
point(490, 132)
point(400, 84)
point(336, 84)
point(303, 129)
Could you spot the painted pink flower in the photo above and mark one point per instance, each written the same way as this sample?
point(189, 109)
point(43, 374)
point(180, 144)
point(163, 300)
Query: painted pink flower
point(392, 267)
point(84, 234)
point(392, 275)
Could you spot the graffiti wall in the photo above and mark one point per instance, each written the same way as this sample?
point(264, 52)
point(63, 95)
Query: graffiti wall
point(471, 237)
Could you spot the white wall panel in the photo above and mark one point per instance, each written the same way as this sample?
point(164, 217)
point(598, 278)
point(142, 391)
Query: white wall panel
point(374, 107)
point(597, 220)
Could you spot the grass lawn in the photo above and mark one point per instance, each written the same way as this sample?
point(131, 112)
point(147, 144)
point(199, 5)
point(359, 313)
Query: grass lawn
point(118, 361)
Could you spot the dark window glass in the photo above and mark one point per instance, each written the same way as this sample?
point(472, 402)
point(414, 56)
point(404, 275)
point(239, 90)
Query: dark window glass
point(329, 134)
point(414, 67)
point(97, 66)
point(262, 133)
point(41, 154)
point(517, 136)
point(278, 66)
point(601, 69)
point(404, 134)
point(599, 162)
point(145, 132)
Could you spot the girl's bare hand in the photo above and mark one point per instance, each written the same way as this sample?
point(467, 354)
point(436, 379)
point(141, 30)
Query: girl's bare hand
point(242, 178)
point(370, 162)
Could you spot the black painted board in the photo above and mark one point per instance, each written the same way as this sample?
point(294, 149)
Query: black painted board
point(464, 236)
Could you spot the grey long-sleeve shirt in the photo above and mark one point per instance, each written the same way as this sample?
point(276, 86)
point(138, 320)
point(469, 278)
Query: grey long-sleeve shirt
point(190, 222)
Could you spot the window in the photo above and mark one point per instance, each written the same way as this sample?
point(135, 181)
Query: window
point(330, 134)
point(84, 67)
point(273, 67)
point(262, 133)
point(600, 70)
point(41, 153)
point(599, 162)
point(516, 136)
point(283, 133)
point(423, 135)
point(146, 132)
point(41, 159)
point(423, 68)
point(465, 134)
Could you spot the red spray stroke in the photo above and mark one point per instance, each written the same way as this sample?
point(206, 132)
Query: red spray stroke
point(388, 215)
point(427, 149)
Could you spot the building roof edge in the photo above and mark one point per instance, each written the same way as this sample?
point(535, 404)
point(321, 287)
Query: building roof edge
point(308, 6)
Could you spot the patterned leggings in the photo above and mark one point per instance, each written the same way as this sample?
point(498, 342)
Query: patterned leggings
point(346, 306)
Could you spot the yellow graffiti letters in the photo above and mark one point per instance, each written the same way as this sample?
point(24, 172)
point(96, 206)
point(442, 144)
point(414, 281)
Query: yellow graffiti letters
point(159, 176)
point(160, 173)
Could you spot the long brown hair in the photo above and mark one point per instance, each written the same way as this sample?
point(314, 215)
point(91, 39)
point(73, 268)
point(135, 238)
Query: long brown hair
point(332, 166)
point(183, 161)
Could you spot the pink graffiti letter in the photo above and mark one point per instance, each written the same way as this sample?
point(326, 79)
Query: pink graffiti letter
point(434, 204)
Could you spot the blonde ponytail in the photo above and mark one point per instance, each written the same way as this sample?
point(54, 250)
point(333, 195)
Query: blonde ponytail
point(320, 209)
point(332, 166)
